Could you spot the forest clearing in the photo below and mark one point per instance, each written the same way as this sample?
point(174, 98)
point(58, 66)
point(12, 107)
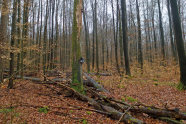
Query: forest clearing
point(92, 61)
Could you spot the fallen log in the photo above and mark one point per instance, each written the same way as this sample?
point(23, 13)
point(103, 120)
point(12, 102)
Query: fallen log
point(151, 111)
point(94, 84)
point(160, 112)
point(34, 79)
point(114, 107)
point(101, 74)
point(113, 113)
point(169, 120)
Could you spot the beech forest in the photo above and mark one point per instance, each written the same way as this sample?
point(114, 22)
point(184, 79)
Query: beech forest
point(92, 62)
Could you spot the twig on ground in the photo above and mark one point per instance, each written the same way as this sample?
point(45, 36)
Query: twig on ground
point(125, 113)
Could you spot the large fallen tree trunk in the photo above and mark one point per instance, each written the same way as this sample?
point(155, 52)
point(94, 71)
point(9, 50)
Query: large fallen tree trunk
point(113, 113)
point(150, 110)
point(91, 82)
point(156, 112)
point(101, 74)
point(34, 79)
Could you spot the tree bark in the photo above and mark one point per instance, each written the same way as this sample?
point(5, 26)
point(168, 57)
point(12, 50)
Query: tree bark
point(161, 31)
point(77, 82)
point(3, 35)
point(125, 37)
point(140, 53)
point(179, 42)
point(170, 30)
point(13, 39)
point(96, 33)
point(24, 33)
point(115, 36)
point(86, 39)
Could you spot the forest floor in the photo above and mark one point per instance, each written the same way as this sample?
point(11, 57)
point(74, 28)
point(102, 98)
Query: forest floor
point(37, 104)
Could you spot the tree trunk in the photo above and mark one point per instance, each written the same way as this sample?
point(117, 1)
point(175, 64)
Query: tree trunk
point(179, 43)
point(77, 82)
point(93, 37)
point(24, 33)
point(125, 37)
point(18, 33)
point(96, 33)
point(44, 53)
point(86, 39)
point(140, 53)
point(13, 39)
point(153, 27)
point(161, 31)
point(3, 35)
point(115, 36)
point(170, 30)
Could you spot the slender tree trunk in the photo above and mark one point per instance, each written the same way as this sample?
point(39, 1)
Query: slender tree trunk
point(125, 37)
point(96, 33)
point(93, 37)
point(57, 35)
point(86, 39)
point(3, 35)
point(24, 33)
point(140, 53)
point(18, 33)
point(120, 41)
point(37, 37)
point(13, 39)
point(153, 27)
point(170, 30)
point(52, 36)
point(45, 42)
point(148, 33)
point(115, 37)
point(40, 36)
point(161, 31)
point(106, 28)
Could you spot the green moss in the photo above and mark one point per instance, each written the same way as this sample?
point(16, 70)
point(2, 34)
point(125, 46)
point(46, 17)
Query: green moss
point(131, 99)
point(155, 79)
point(123, 99)
point(171, 121)
point(171, 84)
point(181, 86)
point(149, 108)
point(5, 111)
point(83, 121)
point(89, 112)
point(71, 111)
point(44, 109)
point(121, 86)
point(132, 120)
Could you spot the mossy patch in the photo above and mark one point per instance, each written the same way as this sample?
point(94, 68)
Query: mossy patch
point(121, 86)
point(83, 121)
point(131, 99)
point(181, 86)
point(44, 109)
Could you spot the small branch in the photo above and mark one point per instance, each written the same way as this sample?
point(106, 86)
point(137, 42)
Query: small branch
point(125, 113)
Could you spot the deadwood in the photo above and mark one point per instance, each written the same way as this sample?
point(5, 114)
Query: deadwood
point(112, 107)
point(94, 84)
